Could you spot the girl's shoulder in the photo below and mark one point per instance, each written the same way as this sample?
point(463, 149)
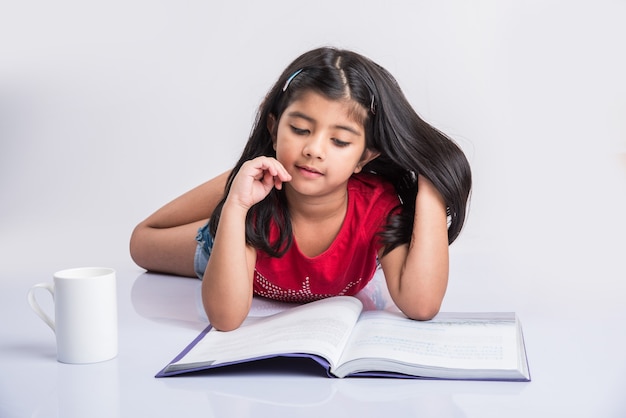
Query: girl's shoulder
point(371, 186)
point(372, 195)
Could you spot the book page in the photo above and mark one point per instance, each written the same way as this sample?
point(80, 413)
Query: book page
point(448, 341)
point(320, 328)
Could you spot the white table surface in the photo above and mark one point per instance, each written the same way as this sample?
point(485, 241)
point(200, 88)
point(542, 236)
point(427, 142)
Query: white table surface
point(577, 363)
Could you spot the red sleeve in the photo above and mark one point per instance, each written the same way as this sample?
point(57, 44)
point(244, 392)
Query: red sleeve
point(376, 199)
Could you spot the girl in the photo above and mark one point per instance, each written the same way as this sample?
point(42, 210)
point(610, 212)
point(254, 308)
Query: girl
point(339, 172)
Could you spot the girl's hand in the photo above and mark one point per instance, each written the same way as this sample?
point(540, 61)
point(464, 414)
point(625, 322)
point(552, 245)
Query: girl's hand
point(255, 180)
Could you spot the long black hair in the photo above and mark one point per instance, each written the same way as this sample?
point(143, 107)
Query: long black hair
point(408, 146)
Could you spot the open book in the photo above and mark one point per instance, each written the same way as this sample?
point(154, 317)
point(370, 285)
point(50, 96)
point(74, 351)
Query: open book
point(348, 341)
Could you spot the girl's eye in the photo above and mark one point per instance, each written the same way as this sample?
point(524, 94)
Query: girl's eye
point(340, 143)
point(299, 131)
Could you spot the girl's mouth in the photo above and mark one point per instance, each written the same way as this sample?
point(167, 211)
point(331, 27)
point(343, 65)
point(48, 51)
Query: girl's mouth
point(309, 172)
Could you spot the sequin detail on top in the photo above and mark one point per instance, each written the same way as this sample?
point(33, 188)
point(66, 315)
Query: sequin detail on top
point(270, 290)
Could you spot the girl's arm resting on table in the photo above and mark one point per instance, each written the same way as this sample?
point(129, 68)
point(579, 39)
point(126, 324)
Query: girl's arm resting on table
point(195, 205)
point(417, 274)
point(228, 279)
point(165, 241)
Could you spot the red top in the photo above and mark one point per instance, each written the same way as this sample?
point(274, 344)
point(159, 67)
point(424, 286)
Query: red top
point(350, 261)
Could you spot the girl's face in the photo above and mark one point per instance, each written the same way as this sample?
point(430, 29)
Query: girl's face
point(321, 143)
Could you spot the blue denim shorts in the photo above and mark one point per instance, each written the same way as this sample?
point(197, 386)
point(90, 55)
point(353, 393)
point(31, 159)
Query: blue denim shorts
point(203, 250)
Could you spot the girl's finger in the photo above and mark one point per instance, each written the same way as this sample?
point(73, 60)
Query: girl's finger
point(276, 169)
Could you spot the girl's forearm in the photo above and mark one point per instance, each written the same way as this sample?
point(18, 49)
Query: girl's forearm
point(164, 242)
point(195, 205)
point(423, 279)
point(227, 282)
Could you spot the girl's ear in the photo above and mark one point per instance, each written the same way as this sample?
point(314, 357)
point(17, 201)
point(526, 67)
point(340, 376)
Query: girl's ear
point(368, 155)
point(272, 126)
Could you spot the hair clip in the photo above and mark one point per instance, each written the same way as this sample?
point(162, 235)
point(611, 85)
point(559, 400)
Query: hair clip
point(291, 77)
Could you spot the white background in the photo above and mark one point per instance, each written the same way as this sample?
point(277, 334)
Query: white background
point(110, 109)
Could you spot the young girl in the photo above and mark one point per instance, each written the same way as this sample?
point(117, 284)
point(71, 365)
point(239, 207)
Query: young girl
point(339, 173)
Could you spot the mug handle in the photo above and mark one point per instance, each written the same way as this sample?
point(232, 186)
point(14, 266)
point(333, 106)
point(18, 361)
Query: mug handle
point(33, 302)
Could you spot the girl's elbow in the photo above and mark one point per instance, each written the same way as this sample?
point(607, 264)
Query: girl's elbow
point(422, 311)
point(225, 323)
point(226, 315)
point(137, 248)
point(418, 305)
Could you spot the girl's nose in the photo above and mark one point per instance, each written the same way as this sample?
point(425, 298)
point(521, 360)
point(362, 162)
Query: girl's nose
point(314, 147)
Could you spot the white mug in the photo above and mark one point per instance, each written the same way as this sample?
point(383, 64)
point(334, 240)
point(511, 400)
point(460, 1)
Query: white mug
point(85, 314)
